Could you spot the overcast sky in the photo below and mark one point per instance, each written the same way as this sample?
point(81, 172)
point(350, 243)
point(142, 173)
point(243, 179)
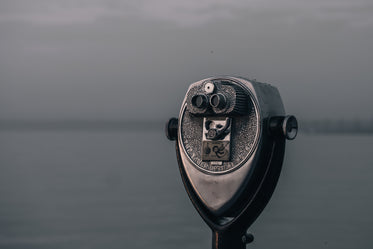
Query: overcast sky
point(109, 59)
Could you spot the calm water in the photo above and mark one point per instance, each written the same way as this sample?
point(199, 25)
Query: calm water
point(71, 189)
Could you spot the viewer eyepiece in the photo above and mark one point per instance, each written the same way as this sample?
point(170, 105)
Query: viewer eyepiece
point(218, 100)
point(199, 101)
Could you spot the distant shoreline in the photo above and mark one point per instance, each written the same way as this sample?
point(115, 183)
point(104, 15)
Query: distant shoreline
point(79, 125)
point(337, 126)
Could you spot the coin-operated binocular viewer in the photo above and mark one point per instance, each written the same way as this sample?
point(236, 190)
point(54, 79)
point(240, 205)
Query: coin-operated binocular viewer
point(230, 144)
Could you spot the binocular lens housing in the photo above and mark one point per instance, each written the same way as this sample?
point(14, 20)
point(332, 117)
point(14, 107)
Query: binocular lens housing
point(217, 100)
point(218, 97)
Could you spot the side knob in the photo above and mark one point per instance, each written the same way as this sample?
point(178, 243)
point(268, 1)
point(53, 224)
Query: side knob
point(290, 127)
point(171, 129)
point(286, 126)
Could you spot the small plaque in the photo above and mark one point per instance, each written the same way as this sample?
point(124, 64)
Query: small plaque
point(216, 139)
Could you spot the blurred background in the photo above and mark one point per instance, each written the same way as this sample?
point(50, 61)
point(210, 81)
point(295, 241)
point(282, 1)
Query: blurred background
point(86, 87)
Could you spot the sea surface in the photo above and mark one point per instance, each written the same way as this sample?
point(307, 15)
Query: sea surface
point(106, 189)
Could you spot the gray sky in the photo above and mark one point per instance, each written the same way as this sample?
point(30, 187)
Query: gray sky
point(135, 59)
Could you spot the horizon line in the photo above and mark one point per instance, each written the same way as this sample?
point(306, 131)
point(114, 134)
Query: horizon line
point(306, 126)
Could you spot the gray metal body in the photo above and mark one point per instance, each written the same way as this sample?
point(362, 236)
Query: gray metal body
point(230, 144)
point(219, 186)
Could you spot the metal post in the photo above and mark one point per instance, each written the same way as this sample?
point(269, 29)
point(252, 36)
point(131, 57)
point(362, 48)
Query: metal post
point(228, 239)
